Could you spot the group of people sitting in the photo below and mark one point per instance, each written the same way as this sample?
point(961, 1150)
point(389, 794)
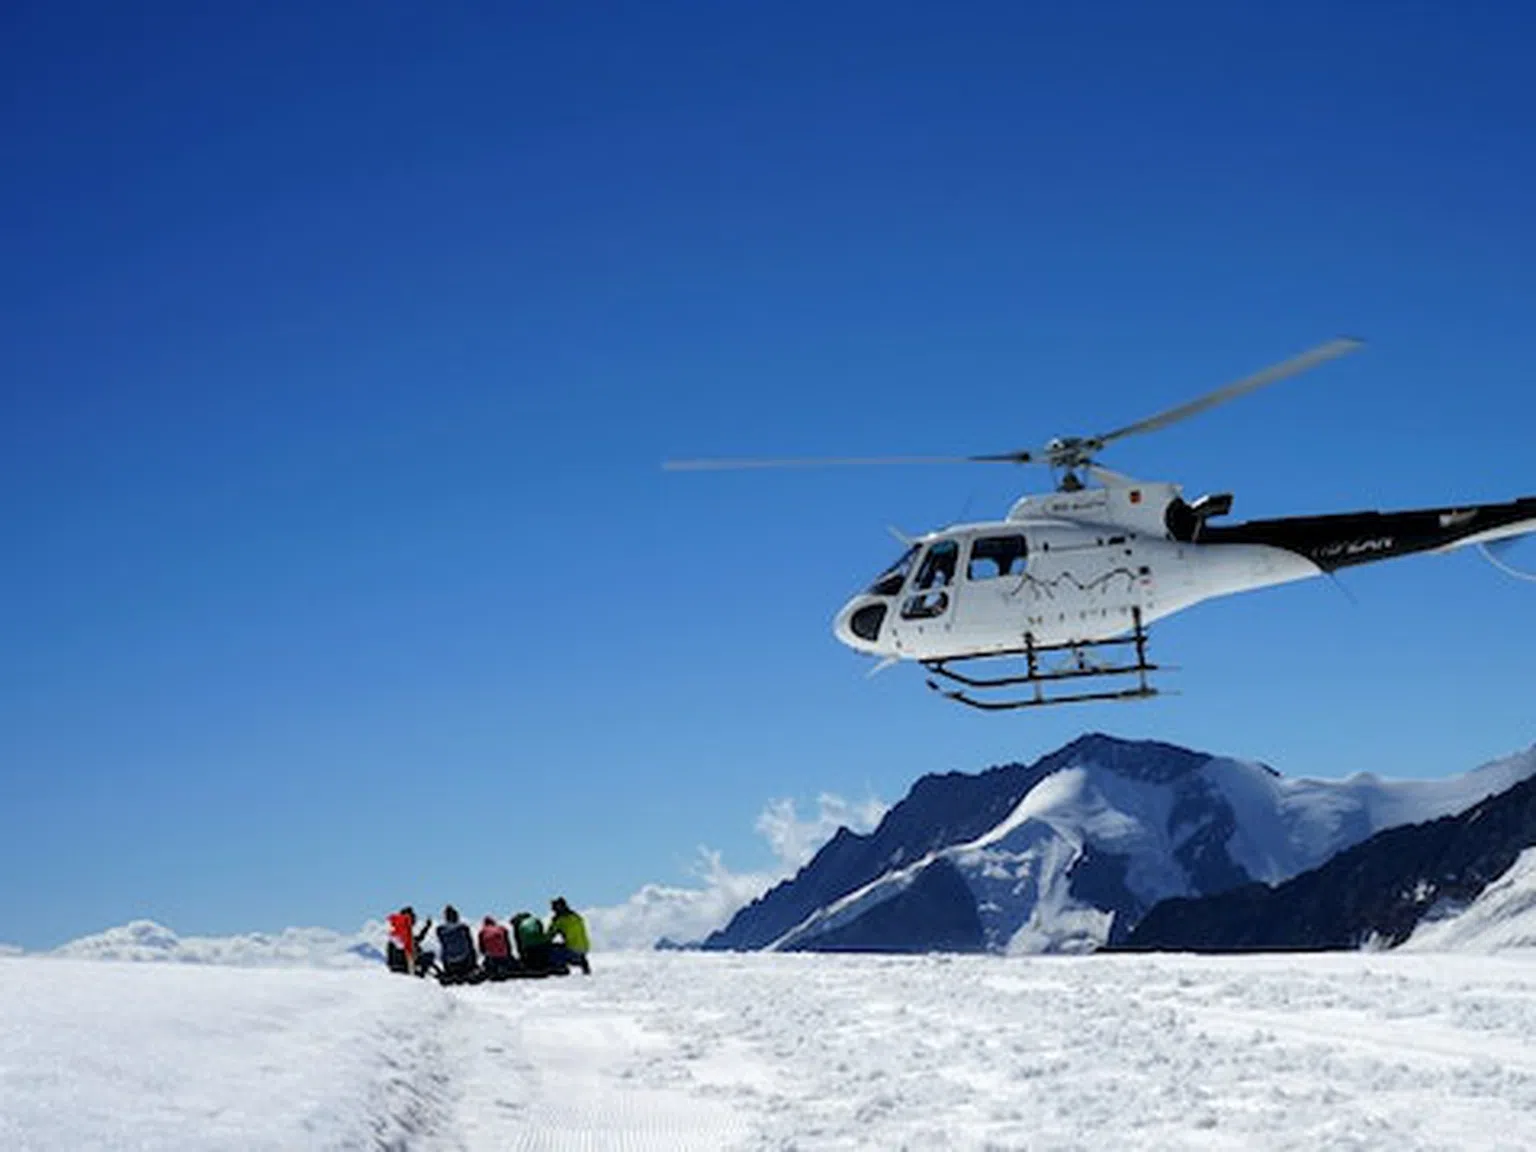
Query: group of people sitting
point(528, 948)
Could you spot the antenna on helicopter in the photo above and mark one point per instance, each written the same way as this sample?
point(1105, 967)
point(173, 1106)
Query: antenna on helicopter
point(1064, 454)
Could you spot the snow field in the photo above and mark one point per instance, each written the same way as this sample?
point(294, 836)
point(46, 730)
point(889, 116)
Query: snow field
point(782, 1051)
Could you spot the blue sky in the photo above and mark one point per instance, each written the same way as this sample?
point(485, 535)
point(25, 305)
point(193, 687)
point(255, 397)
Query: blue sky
point(339, 348)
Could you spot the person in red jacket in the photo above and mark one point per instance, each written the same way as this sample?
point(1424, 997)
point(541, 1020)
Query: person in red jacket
point(496, 949)
point(404, 953)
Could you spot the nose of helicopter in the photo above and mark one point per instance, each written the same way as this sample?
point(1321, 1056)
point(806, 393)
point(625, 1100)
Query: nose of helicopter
point(859, 622)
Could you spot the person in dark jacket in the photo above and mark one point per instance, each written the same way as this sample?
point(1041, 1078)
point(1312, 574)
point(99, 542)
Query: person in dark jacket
point(458, 949)
point(496, 950)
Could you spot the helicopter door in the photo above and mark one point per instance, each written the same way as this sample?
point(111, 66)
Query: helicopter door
point(994, 577)
point(932, 592)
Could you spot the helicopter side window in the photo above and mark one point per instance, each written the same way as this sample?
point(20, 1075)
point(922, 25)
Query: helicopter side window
point(993, 557)
point(891, 581)
point(937, 573)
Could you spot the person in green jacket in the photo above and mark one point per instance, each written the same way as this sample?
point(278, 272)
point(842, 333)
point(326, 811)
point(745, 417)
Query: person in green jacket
point(571, 931)
point(532, 943)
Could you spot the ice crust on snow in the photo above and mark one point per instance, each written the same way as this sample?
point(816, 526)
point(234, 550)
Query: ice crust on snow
point(681, 1052)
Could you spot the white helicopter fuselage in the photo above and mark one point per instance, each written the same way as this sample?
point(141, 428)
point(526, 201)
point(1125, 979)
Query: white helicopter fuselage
point(1085, 566)
point(1062, 568)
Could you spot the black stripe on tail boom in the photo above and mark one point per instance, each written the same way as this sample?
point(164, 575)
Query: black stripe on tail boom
point(1345, 539)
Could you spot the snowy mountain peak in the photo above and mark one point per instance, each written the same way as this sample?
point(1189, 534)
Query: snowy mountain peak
point(1148, 760)
point(1068, 853)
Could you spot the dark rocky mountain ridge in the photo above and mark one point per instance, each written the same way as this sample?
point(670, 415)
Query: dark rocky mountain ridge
point(1376, 892)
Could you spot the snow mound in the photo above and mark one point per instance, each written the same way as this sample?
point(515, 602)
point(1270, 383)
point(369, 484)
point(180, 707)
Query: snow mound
point(1503, 916)
point(144, 941)
point(162, 1056)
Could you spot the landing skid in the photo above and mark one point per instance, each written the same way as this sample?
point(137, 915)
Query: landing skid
point(1078, 665)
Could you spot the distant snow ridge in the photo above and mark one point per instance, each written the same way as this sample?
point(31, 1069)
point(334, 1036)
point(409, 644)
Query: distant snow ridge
point(1503, 916)
point(144, 941)
point(1065, 855)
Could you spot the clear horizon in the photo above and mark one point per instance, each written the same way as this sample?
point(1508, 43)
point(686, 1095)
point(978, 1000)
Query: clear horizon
point(683, 913)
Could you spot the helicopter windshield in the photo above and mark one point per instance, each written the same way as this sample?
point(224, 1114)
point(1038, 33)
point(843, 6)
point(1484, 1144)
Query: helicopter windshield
point(889, 582)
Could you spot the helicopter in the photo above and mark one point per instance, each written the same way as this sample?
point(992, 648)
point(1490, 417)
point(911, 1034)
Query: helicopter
point(1051, 605)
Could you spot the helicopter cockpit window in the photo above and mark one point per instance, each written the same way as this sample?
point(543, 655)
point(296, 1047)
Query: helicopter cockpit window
point(936, 573)
point(891, 581)
point(938, 566)
point(996, 556)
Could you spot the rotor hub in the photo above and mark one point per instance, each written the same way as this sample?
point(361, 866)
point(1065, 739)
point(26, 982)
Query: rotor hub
point(1071, 452)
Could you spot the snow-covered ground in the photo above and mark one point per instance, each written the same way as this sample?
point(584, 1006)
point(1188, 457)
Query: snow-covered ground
point(772, 1051)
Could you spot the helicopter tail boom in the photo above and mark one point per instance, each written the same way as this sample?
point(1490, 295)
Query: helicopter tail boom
point(1347, 539)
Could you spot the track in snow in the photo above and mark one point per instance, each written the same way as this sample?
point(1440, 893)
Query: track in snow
point(551, 1070)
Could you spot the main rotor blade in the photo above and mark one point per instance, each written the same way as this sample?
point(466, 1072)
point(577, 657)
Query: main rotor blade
point(726, 464)
point(1296, 364)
